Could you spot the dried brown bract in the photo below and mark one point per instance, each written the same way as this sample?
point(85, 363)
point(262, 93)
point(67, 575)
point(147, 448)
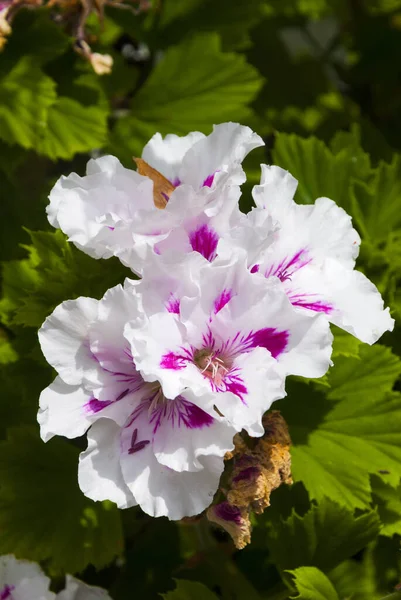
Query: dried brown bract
point(256, 473)
point(162, 187)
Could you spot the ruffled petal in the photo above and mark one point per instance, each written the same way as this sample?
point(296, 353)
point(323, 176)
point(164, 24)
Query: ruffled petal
point(183, 433)
point(159, 490)
point(78, 590)
point(64, 410)
point(218, 156)
point(24, 579)
point(63, 339)
point(166, 154)
point(99, 473)
point(357, 304)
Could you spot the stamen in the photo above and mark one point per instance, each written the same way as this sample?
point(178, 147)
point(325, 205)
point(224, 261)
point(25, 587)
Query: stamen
point(211, 365)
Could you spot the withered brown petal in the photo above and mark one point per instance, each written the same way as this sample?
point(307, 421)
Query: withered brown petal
point(256, 472)
point(162, 187)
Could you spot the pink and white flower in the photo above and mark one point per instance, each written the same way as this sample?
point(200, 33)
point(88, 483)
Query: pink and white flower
point(165, 454)
point(23, 580)
point(111, 210)
point(230, 337)
point(312, 250)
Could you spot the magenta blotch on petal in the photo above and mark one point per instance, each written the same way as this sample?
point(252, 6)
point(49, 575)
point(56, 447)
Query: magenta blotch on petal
point(173, 305)
point(95, 406)
point(204, 240)
point(5, 593)
point(222, 300)
point(209, 181)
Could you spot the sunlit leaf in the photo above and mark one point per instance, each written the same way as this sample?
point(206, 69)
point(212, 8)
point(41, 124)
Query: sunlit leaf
point(217, 87)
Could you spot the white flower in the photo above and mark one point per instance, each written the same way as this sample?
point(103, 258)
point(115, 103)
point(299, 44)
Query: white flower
point(77, 590)
point(23, 580)
point(113, 210)
point(164, 454)
point(227, 335)
point(312, 250)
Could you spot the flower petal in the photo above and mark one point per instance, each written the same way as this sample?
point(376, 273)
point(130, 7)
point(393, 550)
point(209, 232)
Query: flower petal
point(166, 154)
point(63, 339)
point(357, 304)
point(63, 410)
point(183, 433)
point(220, 154)
point(25, 578)
point(99, 473)
point(159, 490)
point(78, 590)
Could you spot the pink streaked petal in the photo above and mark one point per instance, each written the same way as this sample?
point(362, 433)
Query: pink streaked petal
point(308, 302)
point(94, 406)
point(204, 240)
point(233, 383)
point(176, 361)
point(180, 413)
point(290, 265)
point(173, 304)
point(222, 299)
point(273, 340)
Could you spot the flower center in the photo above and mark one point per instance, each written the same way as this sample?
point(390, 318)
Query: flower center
point(211, 365)
point(156, 399)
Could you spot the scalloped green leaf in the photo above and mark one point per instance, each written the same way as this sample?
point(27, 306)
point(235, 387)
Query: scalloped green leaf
point(388, 502)
point(377, 206)
point(73, 128)
point(312, 584)
point(193, 86)
point(26, 95)
point(323, 537)
point(320, 171)
point(53, 272)
point(352, 432)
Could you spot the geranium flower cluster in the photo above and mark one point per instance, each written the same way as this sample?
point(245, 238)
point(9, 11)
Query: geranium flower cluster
point(165, 369)
point(25, 580)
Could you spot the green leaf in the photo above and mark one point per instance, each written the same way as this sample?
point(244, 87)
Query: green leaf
point(312, 584)
point(377, 206)
point(388, 502)
point(355, 579)
point(373, 373)
point(26, 94)
point(73, 128)
point(21, 382)
point(54, 271)
point(319, 171)
point(148, 565)
point(325, 536)
point(344, 344)
point(232, 20)
point(44, 515)
point(340, 438)
point(7, 352)
point(194, 86)
point(190, 590)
